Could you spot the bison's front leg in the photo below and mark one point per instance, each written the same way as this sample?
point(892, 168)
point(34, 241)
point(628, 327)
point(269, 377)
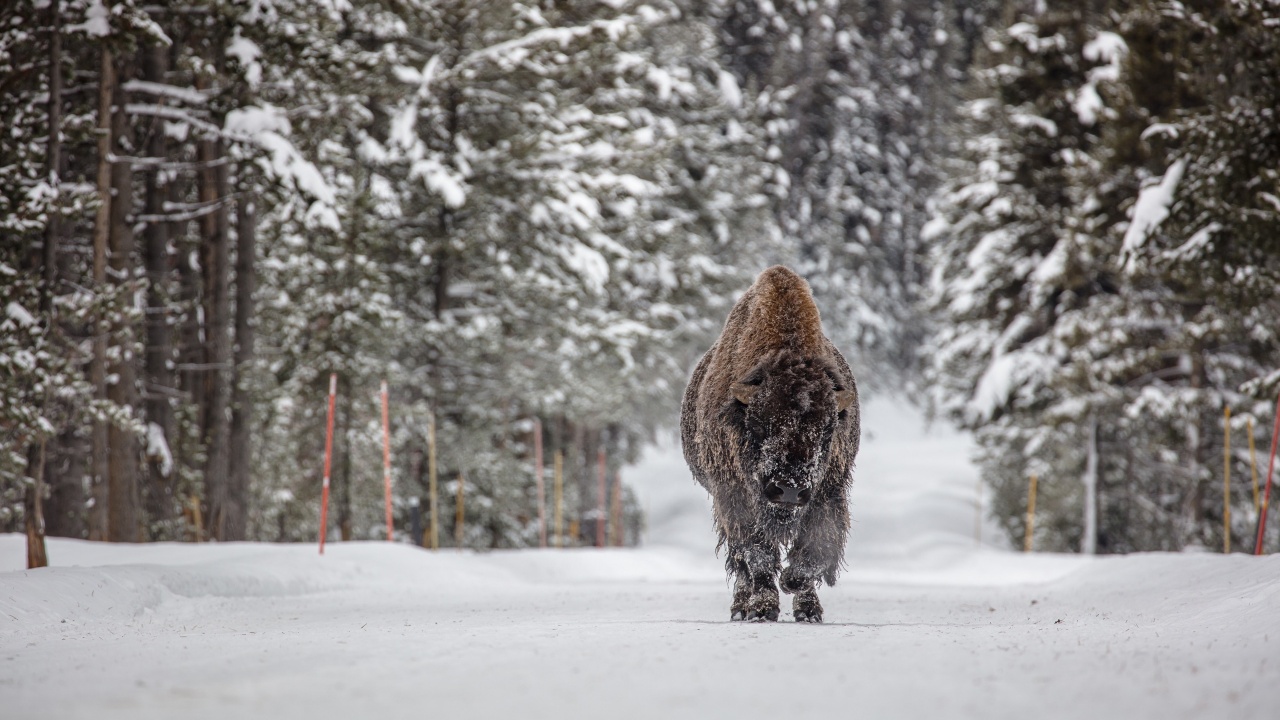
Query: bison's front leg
point(741, 592)
point(815, 555)
point(805, 606)
point(755, 589)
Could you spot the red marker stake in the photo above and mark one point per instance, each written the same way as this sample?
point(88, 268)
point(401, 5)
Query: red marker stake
point(616, 522)
point(537, 473)
point(386, 461)
point(600, 515)
point(328, 455)
point(1266, 497)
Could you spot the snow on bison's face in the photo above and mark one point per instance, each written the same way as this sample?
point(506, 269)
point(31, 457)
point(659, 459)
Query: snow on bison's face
point(785, 411)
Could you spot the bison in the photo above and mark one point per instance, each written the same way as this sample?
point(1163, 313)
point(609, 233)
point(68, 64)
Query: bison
point(770, 428)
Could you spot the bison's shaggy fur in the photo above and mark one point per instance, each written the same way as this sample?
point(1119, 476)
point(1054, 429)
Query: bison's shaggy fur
point(770, 428)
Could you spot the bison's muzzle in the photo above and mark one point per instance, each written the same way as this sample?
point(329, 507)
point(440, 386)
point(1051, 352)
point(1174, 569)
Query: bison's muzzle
point(786, 494)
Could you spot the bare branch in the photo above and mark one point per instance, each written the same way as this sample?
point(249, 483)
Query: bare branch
point(165, 164)
point(192, 210)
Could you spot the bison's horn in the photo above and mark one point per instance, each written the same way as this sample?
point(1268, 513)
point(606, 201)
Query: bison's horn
point(743, 392)
point(845, 398)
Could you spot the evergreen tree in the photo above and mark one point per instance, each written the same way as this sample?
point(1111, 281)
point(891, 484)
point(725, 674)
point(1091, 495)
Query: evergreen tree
point(1022, 272)
point(853, 96)
point(1077, 346)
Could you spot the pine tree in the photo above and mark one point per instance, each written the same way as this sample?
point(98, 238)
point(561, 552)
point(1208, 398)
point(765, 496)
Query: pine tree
point(854, 96)
point(1073, 338)
point(1023, 274)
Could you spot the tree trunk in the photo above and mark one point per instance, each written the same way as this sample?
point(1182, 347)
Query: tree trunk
point(161, 504)
point(1194, 504)
point(101, 233)
point(123, 499)
point(190, 350)
point(33, 503)
point(584, 464)
point(65, 502)
point(241, 404)
point(54, 161)
point(215, 390)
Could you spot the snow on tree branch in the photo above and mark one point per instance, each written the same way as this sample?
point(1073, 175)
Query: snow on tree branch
point(1149, 211)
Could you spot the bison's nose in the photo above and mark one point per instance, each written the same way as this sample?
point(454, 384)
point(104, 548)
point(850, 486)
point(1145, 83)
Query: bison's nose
point(786, 494)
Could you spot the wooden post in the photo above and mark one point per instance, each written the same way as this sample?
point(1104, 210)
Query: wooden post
point(600, 512)
point(328, 455)
point(459, 515)
point(1253, 468)
point(433, 496)
point(1266, 495)
point(1226, 480)
point(386, 462)
point(1031, 515)
point(537, 473)
point(558, 493)
point(197, 518)
point(37, 554)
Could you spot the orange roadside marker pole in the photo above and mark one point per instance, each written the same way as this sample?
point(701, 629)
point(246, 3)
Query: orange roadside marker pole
point(432, 485)
point(386, 462)
point(537, 473)
point(617, 510)
point(1266, 496)
point(459, 516)
point(328, 455)
point(558, 510)
point(600, 516)
point(1226, 480)
point(977, 515)
point(1031, 515)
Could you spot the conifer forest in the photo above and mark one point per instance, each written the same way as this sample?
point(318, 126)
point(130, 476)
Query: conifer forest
point(1054, 224)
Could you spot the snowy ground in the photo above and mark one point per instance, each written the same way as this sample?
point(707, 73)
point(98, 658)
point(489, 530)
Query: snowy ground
point(924, 624)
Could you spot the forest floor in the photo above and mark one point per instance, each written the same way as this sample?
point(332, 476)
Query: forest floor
point(926, 622)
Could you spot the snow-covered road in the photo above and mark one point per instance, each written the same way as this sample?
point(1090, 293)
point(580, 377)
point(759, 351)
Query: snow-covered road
point(924, 623)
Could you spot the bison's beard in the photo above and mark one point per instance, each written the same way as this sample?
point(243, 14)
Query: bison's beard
point(781, 512)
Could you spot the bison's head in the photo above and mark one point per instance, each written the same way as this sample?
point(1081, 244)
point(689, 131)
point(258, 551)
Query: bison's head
point(787, 409)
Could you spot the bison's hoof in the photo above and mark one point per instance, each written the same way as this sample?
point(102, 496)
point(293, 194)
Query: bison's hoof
point(763, 606)
point(737, 616)
point(806, 607)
